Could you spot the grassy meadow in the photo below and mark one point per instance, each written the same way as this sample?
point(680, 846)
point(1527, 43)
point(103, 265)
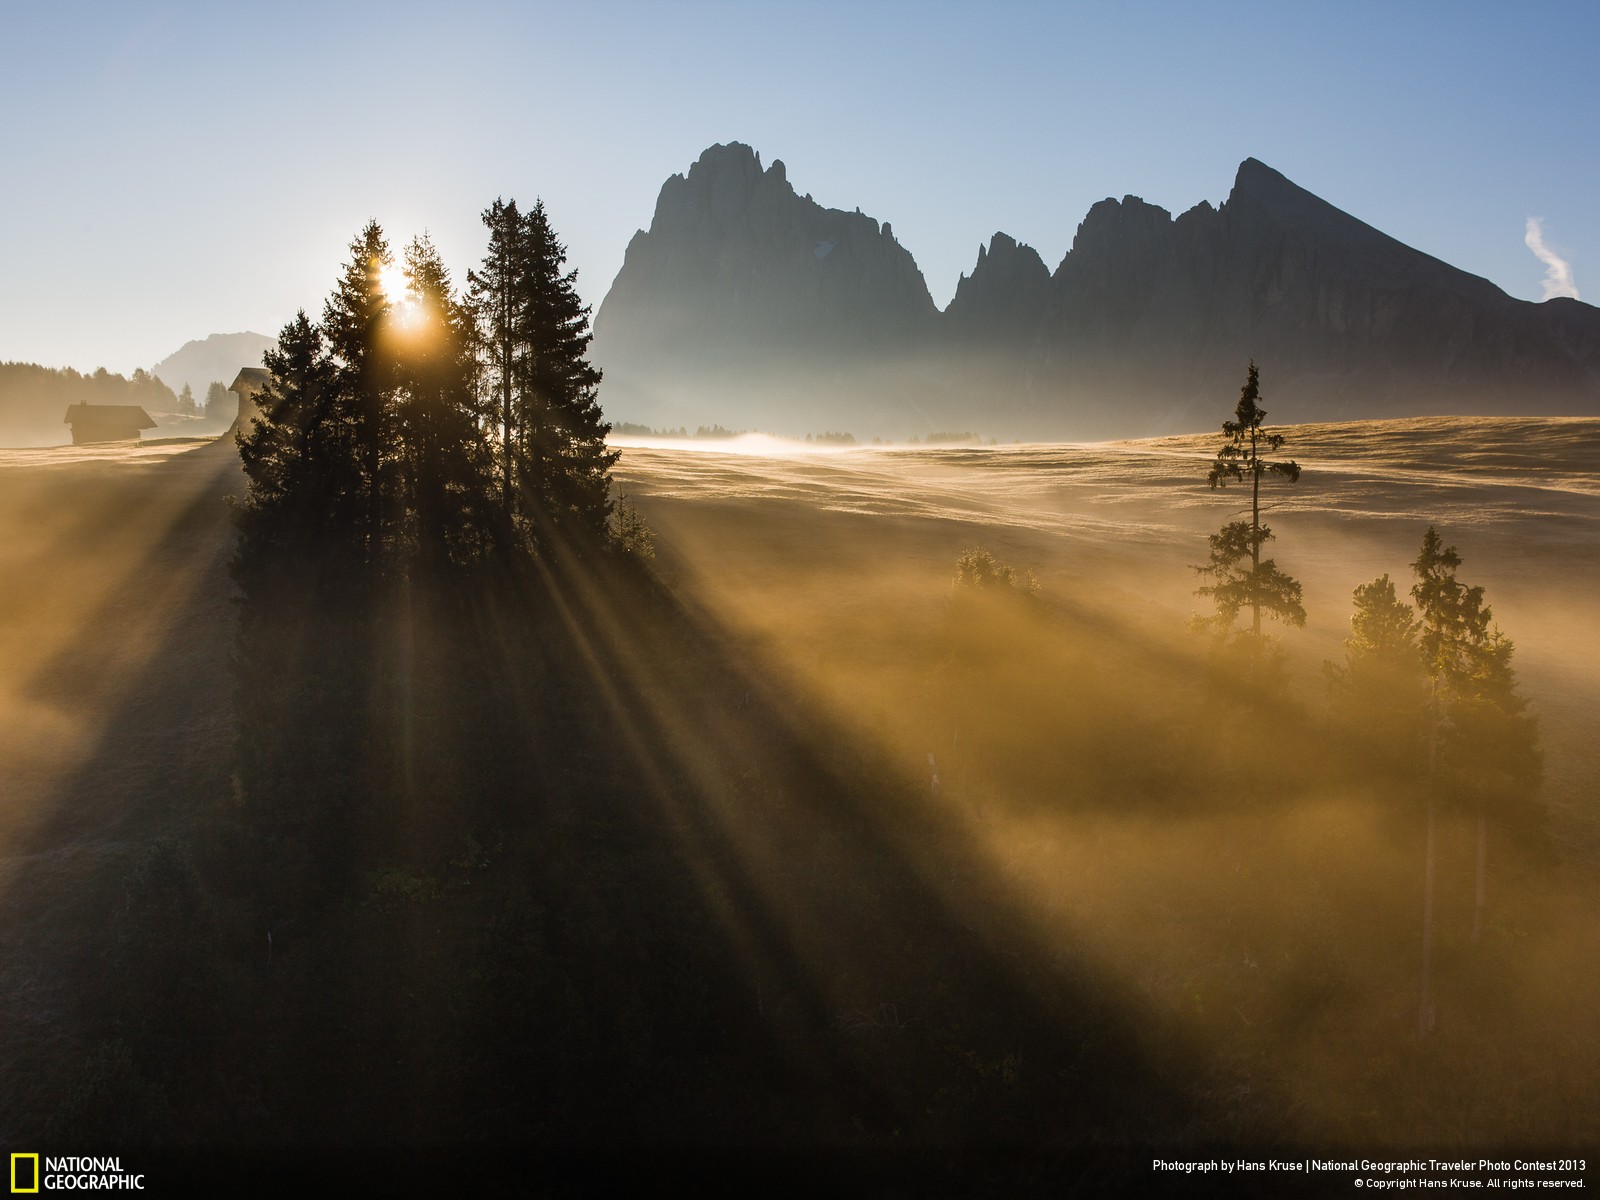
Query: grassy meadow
point(791, 845)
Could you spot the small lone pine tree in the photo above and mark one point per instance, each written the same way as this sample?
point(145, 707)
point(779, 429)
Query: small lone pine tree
point(1243, 579)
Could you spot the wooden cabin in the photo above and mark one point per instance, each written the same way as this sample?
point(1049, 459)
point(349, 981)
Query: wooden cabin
point(247, 385)
point(106, 422)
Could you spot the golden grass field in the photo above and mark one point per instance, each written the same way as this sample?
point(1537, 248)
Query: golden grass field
point(1252, 904)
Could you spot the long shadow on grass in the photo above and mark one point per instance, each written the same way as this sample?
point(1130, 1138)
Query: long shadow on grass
point(786, 945)
point(105, 949)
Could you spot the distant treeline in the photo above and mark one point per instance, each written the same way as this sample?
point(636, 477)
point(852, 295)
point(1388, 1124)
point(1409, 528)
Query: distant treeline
point(633, 429)
point(829, 438)
point(34, 399)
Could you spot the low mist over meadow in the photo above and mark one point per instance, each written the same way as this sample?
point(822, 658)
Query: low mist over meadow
point(841, 838)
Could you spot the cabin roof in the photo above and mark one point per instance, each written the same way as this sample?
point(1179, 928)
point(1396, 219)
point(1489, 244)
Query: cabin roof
point(126, 416)
point(251, 377)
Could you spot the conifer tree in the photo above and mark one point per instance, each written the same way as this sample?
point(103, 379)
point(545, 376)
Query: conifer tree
point(570, 474)
point(1378, 693)
point(554, 467)
point(442, 466)
point(299, 566)
point(300, 458)
point(1243, 579)
point(501, 304)
point(355, 322)
point(1482, 743)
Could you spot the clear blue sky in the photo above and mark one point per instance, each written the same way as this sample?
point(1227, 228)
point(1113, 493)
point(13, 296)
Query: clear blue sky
point(175, 170)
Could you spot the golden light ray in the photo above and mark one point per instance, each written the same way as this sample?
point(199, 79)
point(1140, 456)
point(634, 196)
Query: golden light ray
point(109, 548)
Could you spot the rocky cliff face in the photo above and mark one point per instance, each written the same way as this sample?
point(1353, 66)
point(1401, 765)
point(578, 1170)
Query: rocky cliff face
point(1005, 298)
point(751, 306)
point(733, 252)
point(1145, 327)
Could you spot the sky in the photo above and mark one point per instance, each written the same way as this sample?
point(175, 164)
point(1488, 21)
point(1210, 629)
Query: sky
point(176, 170)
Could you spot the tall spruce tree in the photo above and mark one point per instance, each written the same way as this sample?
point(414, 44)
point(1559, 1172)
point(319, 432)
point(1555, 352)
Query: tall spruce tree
point(554, 467)
point(355, 322)
point(571, 466)
point(501, 305)
point(300, 456)
point(1243, 579)
point(443, 467)
point(299, 564)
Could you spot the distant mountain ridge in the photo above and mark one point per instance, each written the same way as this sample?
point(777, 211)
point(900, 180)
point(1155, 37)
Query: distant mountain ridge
point(749, 303)
point(214, 358)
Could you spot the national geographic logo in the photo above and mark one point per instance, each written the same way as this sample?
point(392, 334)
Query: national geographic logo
point(71, 1174)
point(24, 1172)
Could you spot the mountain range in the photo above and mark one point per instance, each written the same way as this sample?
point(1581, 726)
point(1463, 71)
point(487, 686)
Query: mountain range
point(216, 358)
point(751, 305)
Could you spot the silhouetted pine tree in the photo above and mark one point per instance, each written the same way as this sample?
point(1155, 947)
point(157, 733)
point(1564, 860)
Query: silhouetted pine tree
point(1244, 580)
point(355, 321)
point(299, 664)
point(303, 507)
point(443, 467)
point(534, 330)
point(501, 304)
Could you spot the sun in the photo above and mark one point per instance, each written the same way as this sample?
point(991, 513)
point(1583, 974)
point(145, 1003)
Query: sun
point(396, 289)
point(393, 284)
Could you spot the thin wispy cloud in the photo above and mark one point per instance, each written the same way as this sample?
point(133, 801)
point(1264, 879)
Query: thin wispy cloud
point(1558, 272)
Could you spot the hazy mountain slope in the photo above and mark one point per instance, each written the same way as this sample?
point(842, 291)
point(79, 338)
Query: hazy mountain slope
point(1345, 320)
point(753, 306)
point(743, 287)
point(217, 357)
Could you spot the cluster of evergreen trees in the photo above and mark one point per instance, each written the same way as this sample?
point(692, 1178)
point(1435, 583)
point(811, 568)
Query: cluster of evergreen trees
point(424, 459)
point(414, 428)
point(33, 399)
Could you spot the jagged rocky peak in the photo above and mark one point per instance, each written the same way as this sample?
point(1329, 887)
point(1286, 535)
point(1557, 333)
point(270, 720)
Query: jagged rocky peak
point(735, 257)
point(721, 184)
point(1007, 257)
point(1257, 185)
point(1112, 227)
point(1006, 293)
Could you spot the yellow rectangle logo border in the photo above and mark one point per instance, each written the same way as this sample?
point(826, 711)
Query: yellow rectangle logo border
point(14, 1188)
